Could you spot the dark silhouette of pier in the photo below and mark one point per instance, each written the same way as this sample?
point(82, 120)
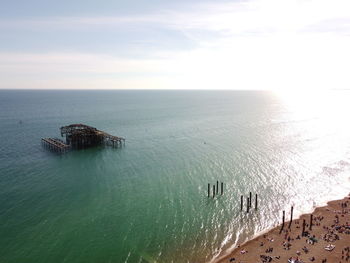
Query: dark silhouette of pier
point(79, 136)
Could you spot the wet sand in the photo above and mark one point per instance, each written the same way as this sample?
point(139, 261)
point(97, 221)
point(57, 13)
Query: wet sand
point(328, 240)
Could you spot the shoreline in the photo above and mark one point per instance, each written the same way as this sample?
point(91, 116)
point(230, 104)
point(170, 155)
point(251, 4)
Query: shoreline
point(330, 227)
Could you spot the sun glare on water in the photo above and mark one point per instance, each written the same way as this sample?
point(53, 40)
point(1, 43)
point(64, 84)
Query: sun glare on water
point(328, 108)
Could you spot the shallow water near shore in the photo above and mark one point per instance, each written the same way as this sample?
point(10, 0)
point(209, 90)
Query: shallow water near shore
point(147, 201)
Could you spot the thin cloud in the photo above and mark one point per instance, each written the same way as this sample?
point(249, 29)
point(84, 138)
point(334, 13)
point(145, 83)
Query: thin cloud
point(228, 18)
point(74, 63)
point(240, 45)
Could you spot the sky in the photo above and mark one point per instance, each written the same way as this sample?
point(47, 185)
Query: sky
point(163, 44)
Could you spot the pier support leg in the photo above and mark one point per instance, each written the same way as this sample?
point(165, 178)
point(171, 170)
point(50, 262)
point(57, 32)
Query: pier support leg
point(303, 231)
point(256, 201)
point(283, 217)
point(291, 217)
point(311, 219)
point(247, 204)
point(250, 199)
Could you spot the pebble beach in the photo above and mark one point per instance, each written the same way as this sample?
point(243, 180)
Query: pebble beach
point(326, 238)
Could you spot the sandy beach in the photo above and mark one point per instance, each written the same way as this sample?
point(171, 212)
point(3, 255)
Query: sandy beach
point(326, 240)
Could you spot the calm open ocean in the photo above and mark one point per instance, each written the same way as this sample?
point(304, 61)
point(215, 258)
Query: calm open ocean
point(147, 201)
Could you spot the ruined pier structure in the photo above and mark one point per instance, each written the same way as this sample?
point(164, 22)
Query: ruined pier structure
point(80, 136)
point(55, 144)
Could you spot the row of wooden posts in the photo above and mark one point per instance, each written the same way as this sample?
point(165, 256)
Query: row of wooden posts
point(249, 199)
point(249, 202)
point(283, 219)
point(216, 189)
point(249, 205)
point(291, 220)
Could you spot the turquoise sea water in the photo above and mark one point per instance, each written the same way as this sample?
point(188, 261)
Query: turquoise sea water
point(147, 201)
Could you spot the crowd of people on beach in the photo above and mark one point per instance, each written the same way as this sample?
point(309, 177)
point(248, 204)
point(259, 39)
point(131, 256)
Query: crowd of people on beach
point(333, 232)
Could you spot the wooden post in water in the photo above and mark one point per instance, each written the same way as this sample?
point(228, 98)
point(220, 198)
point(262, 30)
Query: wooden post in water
point(247, 204)
point(213, 190)
point(311, 217)
point(222, 188)
point(291, 217)
point(302, 233)
point(208, 190)
point(217, 187)
point(241, 202)
point(283, 217)
point(256, 201)
point(250, 199)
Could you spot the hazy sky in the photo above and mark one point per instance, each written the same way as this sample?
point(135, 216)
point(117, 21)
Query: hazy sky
point(192, 44)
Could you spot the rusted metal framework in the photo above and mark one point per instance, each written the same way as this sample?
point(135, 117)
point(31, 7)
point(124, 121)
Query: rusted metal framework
point(55, 144)
point(80, 136)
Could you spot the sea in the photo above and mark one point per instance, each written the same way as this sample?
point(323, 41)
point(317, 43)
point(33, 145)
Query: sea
point(148, 200)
